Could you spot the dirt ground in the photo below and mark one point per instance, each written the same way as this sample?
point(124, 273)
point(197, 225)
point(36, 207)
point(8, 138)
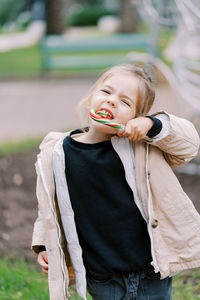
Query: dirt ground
point(18, 204)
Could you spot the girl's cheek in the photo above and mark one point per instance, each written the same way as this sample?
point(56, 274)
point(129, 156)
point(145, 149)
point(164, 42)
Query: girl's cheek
point(133, 113)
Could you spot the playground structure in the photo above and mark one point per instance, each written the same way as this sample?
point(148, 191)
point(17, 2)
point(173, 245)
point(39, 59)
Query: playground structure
point(61, 52)
point(183, 15)
point(184, 78)
point(89, 53)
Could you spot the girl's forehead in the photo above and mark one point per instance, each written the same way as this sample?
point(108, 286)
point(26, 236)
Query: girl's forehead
point(120, 81)
point(120, 76)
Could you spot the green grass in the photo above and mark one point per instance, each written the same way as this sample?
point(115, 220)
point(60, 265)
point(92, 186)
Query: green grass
point(186, 286)
point(20, 146)
point(24, 281)
point(20, 63)
point(21, 280)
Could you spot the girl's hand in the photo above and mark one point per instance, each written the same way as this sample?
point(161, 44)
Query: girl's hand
point(43, 261)
point(136, 129)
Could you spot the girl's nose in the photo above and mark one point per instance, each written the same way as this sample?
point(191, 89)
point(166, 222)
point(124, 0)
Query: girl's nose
point(112, 103)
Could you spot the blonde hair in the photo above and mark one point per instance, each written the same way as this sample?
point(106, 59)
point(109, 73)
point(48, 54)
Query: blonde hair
point(146, 91)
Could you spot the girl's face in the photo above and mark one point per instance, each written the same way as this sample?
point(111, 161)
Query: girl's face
point(118, 96)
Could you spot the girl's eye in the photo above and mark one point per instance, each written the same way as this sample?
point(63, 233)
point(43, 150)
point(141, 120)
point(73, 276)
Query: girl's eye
point(105, 91)
point(126, 102)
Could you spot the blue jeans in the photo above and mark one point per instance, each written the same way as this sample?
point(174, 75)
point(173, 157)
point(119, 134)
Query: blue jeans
point(144, 285)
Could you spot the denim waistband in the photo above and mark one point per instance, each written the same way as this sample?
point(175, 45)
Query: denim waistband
point(108, 275)
point(134, 285)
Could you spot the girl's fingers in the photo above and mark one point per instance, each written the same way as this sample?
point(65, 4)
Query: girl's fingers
point(120, 133)
point(45, 267)
point(138, 136)
point(134, 136)
point(42, 261)
point(44, 255)
point(127, 130)
point(43, 264)
point(132, 132)
point(45, 270)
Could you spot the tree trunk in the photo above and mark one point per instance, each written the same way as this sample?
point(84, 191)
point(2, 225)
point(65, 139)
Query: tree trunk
point(128, 15)
point(53, 17)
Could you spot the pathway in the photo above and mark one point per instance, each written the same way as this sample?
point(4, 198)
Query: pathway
point(33, 108)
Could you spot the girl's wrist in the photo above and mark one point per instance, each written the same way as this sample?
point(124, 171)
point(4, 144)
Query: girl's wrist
point(41, 248)
point(156, 127)
point(150, 122)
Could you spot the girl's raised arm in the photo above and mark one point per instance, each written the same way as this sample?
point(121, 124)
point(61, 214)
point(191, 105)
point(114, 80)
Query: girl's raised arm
point(181, 144)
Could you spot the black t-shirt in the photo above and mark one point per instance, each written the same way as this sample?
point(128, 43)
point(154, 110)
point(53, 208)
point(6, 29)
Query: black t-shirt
point(111, 230)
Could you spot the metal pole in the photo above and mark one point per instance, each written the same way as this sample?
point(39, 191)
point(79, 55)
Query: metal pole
point(154, 37)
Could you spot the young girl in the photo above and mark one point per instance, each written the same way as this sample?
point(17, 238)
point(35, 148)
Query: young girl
point(113, 217)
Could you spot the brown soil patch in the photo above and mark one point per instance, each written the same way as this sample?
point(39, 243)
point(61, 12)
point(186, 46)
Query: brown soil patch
point(18, 203)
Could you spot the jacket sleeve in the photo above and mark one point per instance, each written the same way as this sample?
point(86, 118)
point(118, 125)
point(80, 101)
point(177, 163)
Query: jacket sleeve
point(38, 237)
point(181, 144)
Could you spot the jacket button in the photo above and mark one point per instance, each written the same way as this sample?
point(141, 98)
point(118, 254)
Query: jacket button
point(154, 223)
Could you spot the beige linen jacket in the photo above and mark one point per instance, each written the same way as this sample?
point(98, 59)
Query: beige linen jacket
point(172, 221)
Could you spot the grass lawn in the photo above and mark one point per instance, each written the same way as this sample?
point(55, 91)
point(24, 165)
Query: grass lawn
point(20, 280)
point(20, 146)
point(20, 63)
point(186, 286)
point(23, 281)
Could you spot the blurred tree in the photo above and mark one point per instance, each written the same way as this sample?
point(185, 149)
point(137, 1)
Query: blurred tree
point(128, 15)
point(54, 17)
point(87, 15)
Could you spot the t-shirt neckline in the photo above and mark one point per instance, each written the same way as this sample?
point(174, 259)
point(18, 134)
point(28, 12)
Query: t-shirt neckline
point(86, 145)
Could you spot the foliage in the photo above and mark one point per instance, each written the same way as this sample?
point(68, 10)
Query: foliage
point(9, 9)
point(23, 20)
point(87, 15)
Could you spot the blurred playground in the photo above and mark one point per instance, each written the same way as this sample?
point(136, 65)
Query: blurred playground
point(51, 52)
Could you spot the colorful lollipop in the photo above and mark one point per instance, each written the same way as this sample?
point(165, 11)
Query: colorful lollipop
point(100, 116)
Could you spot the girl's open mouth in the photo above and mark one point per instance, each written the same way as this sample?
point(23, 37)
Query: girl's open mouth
point(105, 113)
